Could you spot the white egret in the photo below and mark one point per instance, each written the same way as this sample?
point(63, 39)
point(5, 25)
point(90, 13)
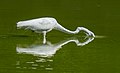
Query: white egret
point(46, 24)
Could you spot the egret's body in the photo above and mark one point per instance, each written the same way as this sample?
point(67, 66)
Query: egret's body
point(46, 24)
point(38, 25)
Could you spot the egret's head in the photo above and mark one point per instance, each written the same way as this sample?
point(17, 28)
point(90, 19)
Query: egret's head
point(22, 24)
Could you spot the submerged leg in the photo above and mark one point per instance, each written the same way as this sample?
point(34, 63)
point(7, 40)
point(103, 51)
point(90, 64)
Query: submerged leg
point(44, 37)
point(88, 32)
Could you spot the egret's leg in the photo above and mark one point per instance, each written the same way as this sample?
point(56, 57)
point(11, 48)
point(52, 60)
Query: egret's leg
point(44, 37)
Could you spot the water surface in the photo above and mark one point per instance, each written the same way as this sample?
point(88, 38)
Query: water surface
point(98, 56)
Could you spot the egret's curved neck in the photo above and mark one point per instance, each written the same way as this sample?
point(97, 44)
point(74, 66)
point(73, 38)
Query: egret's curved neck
point(61, 28)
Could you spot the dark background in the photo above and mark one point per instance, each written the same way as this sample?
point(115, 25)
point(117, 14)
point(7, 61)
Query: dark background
point(100, 16)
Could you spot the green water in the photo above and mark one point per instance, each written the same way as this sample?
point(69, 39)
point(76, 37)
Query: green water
point(99, 56)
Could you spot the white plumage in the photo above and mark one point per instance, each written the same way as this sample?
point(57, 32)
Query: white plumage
point(46, 24)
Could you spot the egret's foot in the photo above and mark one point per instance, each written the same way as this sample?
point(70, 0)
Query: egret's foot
point(44, 42)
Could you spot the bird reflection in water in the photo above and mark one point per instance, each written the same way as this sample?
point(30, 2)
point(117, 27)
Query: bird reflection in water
point(43, 53)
